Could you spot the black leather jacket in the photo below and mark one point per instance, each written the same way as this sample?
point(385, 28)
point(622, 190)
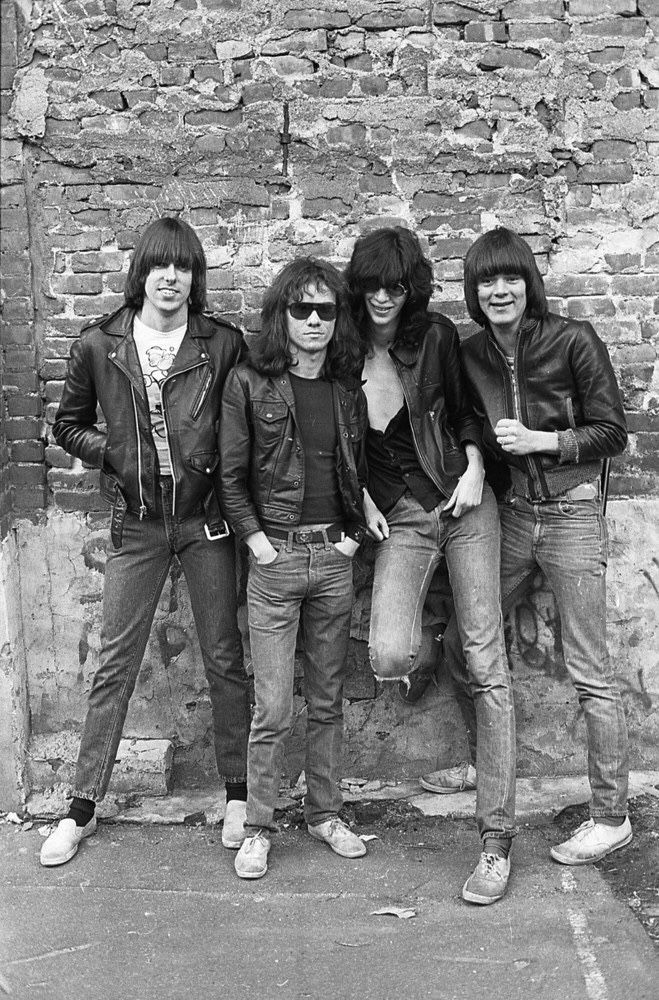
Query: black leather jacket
point(262, 458)
point(441, 417)
point(104, 369)
point(563, 382)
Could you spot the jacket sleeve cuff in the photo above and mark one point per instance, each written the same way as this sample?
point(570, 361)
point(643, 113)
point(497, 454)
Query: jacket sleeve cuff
point(356, 532)
point(568, 446)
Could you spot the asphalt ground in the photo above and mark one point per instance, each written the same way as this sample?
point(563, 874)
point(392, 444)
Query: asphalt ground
point(148, 911)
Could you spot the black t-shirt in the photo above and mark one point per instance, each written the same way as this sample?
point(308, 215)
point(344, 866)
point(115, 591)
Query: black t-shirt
point(393, 466)
point(317, 424)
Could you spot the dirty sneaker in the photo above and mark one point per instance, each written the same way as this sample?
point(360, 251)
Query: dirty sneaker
point(461, 778)
point(252, 858)
point(63, 842)
point(489, 880)
point(233, 832)
point(591, 842)
point(339, 837)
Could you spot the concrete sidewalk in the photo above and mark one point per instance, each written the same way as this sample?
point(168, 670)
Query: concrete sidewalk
point(155, 912)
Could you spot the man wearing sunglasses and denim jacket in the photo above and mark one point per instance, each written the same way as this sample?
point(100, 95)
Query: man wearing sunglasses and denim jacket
point(292, 436)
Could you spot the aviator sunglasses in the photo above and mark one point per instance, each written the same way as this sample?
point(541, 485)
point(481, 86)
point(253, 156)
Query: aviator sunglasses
point(303, 310)
point(373, 285)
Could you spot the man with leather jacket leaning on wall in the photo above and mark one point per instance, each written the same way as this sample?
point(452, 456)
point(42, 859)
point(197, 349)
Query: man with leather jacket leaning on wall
point(551, 409)
point(156, 367)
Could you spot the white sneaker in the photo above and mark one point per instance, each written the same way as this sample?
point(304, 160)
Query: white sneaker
point(252, 858)
point(63, 842)
point(233, 829)
point(461, 778)
point(591, 842)
point(339, 837)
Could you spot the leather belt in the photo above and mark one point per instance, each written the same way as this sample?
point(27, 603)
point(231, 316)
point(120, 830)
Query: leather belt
point(333, 533)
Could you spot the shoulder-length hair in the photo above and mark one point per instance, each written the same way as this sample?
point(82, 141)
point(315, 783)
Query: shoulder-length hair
point(392, 256)
point(269, 351)
point(501, 251)
point(167, 241)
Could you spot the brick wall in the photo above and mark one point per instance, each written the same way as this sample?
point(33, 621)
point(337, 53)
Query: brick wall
point(22, 468)
point(291, 129)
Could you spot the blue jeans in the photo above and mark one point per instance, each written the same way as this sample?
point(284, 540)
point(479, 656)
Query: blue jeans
point(404, 565)
point(567, 540)
point(134, 577)
point(311, 583)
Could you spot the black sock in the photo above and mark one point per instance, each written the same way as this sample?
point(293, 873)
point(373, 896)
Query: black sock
point(497, 845)
point(81, 810)
point(236, 790)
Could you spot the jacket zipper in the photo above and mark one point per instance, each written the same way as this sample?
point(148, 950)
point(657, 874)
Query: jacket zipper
point(517, 404)
point(139, 454)
point(181, 371)
point(201, 396)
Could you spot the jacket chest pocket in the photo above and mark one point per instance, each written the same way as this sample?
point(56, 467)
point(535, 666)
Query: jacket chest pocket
point(269, 421)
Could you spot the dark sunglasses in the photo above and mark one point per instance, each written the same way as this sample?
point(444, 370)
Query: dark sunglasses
point(373, 285)
point(303, 310)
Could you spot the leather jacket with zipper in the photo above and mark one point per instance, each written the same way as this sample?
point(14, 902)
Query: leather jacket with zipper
point(104, 369)
point(563, 381)
point(262, 454)
point(441, 417)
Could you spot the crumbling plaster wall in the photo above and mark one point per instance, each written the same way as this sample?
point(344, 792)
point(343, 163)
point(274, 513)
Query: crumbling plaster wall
point(291, 129)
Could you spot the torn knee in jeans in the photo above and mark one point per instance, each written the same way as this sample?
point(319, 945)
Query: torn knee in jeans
point(389, 668)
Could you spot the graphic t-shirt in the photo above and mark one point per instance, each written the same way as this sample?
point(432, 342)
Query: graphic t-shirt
point(156, 351)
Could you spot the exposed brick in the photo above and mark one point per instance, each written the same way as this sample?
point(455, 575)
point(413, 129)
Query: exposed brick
point(27, 451)
point(27, 475)
point(485, 31)
point(23, 406)
point(620, 27)
point(595, 8)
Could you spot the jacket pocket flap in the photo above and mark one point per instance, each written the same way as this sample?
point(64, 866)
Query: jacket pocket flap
point(270, 412)
point(204, 461)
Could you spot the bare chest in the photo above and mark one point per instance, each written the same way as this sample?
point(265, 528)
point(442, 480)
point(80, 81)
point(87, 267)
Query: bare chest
point(383, 390)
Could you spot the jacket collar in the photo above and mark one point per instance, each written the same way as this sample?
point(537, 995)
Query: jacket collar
point(190, 353)
point(120, 323)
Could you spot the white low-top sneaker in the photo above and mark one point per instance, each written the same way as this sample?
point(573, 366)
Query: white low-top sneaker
point(233, 829)
point(591, 842)
point(461, 778)
point(63, 842)
point(252, 858)
point(339, 837)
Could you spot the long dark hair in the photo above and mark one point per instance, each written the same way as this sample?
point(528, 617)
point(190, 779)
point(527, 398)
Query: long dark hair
point(269, 351)
point(501, 251)
point(167, 241)
point(392, 256)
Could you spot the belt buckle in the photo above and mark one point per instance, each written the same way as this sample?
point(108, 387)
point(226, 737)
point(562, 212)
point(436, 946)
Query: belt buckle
point(214, 536)
point(304, 536)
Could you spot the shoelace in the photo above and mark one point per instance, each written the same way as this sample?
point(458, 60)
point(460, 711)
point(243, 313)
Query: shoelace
point(489, 864)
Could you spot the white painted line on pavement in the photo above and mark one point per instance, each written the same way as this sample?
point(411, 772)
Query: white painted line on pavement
point(595, 983)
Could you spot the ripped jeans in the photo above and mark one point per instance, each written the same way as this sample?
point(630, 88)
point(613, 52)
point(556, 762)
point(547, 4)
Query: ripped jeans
point(404, 565)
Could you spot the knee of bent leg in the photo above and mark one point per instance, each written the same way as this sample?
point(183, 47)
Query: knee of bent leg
point(389, 661)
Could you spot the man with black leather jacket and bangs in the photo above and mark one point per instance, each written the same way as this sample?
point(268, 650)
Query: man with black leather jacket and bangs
point(545, 389)
point(156, 367)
